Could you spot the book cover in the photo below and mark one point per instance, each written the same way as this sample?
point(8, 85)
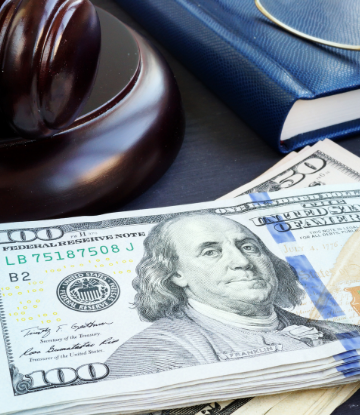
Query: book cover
point(254, 66)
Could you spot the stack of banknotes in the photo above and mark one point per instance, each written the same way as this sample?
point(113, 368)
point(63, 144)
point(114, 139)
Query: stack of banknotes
point(255, 294)
point(339, 166)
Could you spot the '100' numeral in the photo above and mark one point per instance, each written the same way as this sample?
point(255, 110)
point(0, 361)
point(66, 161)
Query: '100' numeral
point(67, 375)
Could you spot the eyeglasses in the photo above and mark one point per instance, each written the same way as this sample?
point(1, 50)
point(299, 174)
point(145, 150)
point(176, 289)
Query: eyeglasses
point(320, 21)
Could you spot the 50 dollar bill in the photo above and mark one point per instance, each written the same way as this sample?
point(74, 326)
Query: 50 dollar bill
point(322, 164)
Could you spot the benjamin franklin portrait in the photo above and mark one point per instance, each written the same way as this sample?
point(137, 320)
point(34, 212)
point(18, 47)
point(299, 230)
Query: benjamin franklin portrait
point(214, 292)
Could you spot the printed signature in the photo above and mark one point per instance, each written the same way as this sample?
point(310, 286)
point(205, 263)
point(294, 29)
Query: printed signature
point(46, 331)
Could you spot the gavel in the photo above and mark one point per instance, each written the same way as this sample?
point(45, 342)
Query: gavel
point(95, 112)
point(49, 54)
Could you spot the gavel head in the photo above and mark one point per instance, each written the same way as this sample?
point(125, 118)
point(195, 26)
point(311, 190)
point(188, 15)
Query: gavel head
point(49, 53)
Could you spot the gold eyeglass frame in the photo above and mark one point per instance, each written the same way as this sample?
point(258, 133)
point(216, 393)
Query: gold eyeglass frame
point(301, 34)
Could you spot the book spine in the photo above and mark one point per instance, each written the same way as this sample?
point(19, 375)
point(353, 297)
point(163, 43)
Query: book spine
point(261, 100)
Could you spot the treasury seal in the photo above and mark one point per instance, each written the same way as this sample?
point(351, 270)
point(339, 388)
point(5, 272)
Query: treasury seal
point(88, 291)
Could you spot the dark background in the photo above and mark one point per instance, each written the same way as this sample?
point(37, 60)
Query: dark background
point(220, 152)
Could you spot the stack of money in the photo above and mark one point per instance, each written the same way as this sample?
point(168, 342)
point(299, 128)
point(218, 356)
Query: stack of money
point(336, 166)
point(251, 295)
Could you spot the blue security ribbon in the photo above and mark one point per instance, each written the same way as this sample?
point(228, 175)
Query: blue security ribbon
point(315, 288)
point(350, 340)
point(345, 355)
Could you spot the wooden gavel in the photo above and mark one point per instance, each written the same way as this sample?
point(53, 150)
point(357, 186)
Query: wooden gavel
point(67, 154)
point(49, 54)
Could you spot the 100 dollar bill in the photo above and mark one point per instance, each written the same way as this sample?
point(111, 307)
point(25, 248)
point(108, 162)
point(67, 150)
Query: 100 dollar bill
point(81, 298)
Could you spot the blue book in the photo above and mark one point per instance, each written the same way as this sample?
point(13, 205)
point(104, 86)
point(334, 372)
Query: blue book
point(292, 92)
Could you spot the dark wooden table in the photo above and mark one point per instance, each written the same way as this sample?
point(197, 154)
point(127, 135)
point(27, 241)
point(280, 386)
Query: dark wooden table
point(220, 152)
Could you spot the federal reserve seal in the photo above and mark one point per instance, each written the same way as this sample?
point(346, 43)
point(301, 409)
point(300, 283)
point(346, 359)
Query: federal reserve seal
point(88, 291)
